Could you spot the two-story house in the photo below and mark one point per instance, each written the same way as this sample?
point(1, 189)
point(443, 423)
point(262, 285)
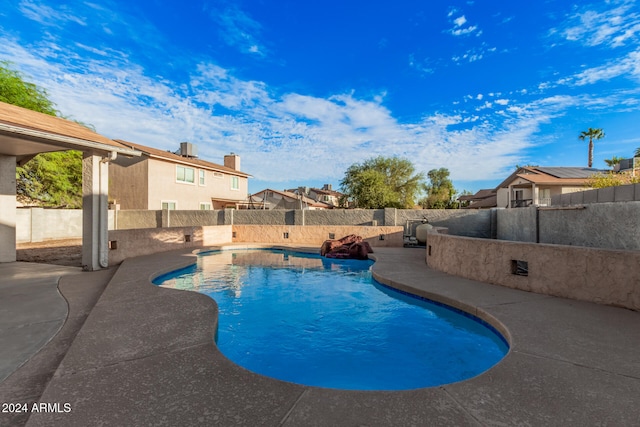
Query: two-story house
point(164, 180)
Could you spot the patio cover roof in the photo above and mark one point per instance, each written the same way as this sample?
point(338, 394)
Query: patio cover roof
point(25, 133)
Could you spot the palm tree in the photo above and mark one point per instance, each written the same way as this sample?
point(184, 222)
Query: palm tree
point(637, 153)
point(592, 133)
point(613, 161)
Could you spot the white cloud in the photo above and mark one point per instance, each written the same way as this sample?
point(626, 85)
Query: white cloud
point(459, 22)
point(48, 16)
point(628, 65)
point(615, 26)
point(502, 101)
point(238, 29)
point(458, 26)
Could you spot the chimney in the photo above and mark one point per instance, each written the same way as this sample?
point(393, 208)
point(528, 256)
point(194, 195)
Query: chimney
point(232, 161)
point(327, 187)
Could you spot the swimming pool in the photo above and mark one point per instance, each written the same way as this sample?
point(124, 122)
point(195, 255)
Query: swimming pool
point(320, 322)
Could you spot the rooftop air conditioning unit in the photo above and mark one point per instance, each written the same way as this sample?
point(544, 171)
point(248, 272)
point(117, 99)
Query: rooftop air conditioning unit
point(187, 149)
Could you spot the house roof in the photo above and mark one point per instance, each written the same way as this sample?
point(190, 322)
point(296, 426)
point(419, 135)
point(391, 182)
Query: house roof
point(481, 194)
point(569, 172)
point(327, 192)
point(485, 198)
point(306, 200)
point(551, 175)
point(30, 132)
point(488, 202)
point(175, 158)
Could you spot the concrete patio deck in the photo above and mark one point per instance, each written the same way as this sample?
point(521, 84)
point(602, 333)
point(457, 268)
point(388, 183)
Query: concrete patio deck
point(143, 355)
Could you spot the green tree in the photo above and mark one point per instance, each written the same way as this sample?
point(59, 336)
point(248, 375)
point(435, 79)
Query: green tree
point(14, 90)
point(440, 191)
point(49, 179)
point(637, 153)
point(591, 134)
point(382, 182)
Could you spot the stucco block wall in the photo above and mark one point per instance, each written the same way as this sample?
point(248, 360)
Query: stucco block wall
point(620, 193)
point(267, 217)
point(131, 243)
point(316, 235)
point(130, 219)
point(38, 224)
point(587, 274)
point(516, 224)
point(598, 225)
point(461, 222)
point(180, 218)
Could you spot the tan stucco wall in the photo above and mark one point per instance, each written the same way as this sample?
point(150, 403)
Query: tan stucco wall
point(316, 235)
point(145, 241)
point(164, 187)
point(587, 274)
point(128, 184)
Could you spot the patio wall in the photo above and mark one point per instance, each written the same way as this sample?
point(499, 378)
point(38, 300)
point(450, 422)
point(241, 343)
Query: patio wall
point(619, 193)
point(598, 225)
point(315, 235)
point(39, 224)
point(588, 274)
point(144, 241)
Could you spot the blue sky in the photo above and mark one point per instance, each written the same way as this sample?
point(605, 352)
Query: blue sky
point(303, 89)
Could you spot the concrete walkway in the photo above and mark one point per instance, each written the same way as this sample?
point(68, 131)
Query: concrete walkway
point(145, 356)
point(31, 310)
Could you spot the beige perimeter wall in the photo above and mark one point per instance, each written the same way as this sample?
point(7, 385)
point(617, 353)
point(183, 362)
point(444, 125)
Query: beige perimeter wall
point(144, 241)
point(315, 235)
point(588, 274)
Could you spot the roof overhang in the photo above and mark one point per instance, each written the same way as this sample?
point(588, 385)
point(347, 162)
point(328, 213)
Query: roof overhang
point(25, 143)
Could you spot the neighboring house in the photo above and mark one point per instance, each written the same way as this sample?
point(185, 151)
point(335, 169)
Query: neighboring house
point(483, 199)
point(534, 186)
point(324, 194)
point(273, 199)
point(165, 180)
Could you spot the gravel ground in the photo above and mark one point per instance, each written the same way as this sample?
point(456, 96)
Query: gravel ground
point(59, 252)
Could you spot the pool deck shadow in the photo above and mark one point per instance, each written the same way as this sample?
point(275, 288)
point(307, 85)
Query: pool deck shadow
point(145, 356)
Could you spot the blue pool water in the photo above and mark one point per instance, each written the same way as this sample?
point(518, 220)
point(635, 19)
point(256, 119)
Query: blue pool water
point(320, 322)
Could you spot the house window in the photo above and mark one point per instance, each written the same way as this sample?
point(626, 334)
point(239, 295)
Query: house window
point(171, 206)
point(235, 183)
point(184, 174)
point(204, 206)
point(201, 177)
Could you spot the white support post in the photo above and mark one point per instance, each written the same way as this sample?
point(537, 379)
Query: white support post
point(95, 180)
point(7, 208)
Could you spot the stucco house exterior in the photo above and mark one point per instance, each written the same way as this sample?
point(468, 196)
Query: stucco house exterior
point(164, 180)
point(534, 186)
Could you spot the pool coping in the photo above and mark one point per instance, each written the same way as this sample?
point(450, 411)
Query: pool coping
point(141, 359)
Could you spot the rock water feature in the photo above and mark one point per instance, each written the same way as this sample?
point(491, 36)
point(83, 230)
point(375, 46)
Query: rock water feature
point(351, 246)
